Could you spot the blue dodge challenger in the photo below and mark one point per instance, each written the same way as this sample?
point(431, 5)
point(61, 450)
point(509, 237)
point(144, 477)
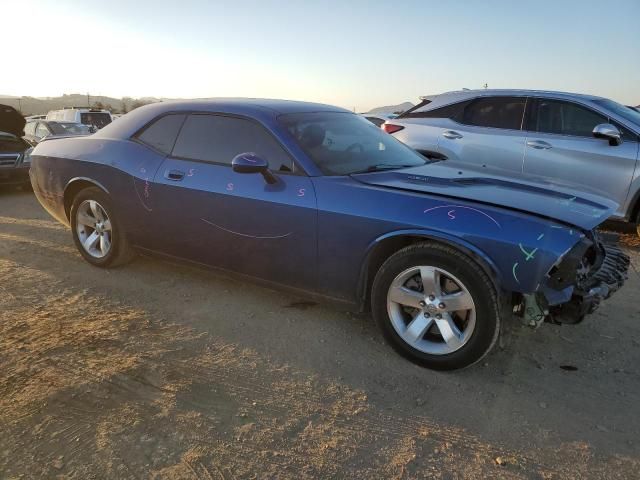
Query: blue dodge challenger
point(319, 200)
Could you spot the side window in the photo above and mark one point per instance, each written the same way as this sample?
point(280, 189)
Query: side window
point(218, 139)
point(30, 128)
point(42, 130)
point(452, 111)
point(627, 135)
point(495, 112)
point(565, 118)
point(162, 133)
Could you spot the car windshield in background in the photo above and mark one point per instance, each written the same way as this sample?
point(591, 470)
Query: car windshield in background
point(68, 128)
point(98, 119)
point(622, 110)
point(345, 143)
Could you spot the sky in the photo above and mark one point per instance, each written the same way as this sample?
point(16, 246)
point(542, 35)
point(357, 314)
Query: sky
point(353, 53)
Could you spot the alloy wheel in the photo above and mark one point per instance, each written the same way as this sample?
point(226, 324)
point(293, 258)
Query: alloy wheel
point(431, 310)
point(93, 227)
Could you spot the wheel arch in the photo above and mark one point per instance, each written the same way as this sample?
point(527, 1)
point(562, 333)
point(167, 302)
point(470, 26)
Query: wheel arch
point(388, 244)
point(74, 186)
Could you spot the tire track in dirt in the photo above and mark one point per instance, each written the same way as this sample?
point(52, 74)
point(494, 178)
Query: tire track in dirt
point(118, 392)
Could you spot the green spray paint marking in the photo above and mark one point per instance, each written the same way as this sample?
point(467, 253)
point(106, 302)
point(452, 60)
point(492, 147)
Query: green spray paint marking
point(515, 265)
point(528, 255)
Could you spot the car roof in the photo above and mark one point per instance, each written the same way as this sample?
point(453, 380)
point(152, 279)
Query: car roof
point(460, 95)
point(258, 108)
point(512, 91)
point(248, 104)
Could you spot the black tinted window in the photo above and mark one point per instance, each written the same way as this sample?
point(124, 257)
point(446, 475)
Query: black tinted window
point(495, 112)
point(162, 133)
point(218, 139)
point(565, 118)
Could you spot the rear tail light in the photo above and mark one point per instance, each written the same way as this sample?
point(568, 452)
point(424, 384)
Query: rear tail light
point(391, 128)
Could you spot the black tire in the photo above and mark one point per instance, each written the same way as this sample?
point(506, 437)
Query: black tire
point(638, 223)
point(482, 290)
point(120, 252)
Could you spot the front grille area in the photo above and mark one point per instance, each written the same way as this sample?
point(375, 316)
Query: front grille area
point(9, 159)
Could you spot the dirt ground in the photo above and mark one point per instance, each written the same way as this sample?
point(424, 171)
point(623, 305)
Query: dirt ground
point(161, 371)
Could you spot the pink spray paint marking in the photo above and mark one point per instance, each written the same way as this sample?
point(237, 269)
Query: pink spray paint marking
point(191, 172)
point(301, 192)
point(451, 215)
point(230, 187)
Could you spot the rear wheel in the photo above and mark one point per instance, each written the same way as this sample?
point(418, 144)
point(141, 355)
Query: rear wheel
point(436, 306)
point(96, 230)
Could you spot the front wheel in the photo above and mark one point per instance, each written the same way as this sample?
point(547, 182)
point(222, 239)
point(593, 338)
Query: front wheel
point(436, 306)
point(96, 230)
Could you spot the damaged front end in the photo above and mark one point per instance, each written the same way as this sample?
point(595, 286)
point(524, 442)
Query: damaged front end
point(590, 272)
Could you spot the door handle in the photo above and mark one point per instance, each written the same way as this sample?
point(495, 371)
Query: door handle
point(451, 135)
point(539, 144)
point(175, 175)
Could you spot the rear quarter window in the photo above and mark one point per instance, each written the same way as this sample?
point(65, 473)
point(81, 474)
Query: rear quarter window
point(162, 133)
point(97, 119)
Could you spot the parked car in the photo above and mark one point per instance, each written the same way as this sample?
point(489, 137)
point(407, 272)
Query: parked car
point(35, 131)
point(35, 117)
point(87, 116)
point(14, 158)
point(582, 139)
point(260, 188)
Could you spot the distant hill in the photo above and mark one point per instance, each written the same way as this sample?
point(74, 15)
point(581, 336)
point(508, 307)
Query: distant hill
point(41, 105)
point(392, 108)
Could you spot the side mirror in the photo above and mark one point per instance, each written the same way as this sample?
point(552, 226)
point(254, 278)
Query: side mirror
point(609, 132)
point(249, 162)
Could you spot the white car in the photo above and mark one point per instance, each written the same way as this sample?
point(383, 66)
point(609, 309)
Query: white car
point(584, 140)
point(87, 116)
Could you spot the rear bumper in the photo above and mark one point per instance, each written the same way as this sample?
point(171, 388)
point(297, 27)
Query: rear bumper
point(600, 284)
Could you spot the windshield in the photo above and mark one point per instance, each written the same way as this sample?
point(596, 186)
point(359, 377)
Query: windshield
point(97, 119)
point(68, 128)
point(345, 143)
point(625, 112)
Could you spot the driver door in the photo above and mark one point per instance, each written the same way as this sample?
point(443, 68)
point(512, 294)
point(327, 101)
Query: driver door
point(208, 213)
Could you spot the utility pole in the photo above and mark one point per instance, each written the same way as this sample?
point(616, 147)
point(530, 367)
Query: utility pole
point(486, 85)
point(88, 101)
point(20, 104)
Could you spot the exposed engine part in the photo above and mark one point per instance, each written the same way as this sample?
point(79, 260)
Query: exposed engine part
point(600, 272)
point(531, 311)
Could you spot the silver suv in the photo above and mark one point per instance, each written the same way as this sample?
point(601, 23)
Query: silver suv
point(566, 137)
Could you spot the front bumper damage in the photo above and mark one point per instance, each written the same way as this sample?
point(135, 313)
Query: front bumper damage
point(590, 273)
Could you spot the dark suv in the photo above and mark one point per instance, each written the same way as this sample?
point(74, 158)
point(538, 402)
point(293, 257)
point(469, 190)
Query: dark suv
point(14, 170)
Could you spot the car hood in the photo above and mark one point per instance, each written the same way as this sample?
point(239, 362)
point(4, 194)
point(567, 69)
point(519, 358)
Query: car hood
point(11, 121)
point(560, 202)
